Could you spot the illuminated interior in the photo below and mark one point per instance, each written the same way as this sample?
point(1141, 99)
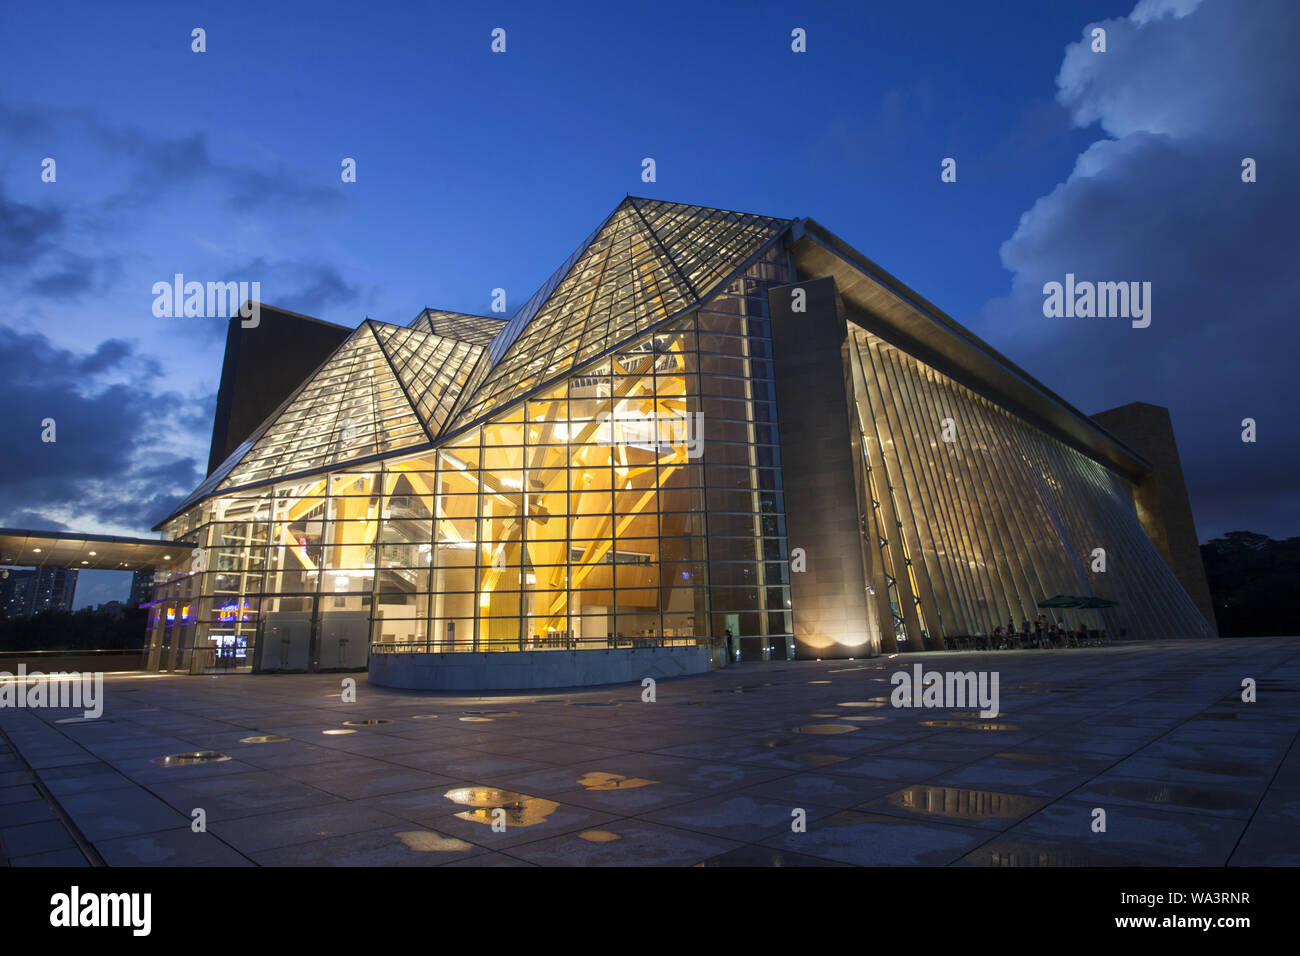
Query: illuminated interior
point(612, 481)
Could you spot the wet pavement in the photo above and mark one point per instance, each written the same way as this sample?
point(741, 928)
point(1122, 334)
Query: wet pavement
point(782, 764)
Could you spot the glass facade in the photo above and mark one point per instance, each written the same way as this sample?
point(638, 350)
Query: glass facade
point(636, 499)
point(976, 516)
point(604, 471)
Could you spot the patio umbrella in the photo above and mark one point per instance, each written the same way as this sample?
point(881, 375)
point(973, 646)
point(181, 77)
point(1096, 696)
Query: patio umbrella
point(1096, 602)
point(1061, 600)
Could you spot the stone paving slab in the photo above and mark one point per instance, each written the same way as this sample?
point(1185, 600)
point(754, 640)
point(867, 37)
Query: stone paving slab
point(710, 774)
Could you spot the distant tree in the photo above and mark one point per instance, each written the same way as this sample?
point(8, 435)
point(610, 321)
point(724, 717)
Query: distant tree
point(1254, 583)
point(109, 628)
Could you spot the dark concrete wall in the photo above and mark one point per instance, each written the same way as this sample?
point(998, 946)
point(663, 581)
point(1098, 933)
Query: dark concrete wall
point(262, 367)
point(821, 504)
point(1162, 502)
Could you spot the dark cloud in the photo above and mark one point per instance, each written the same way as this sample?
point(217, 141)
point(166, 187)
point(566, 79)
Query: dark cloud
point(74, 276)
point(26, 232)
point(184, 163)
point(307, 287)
point(111, 463)
point(1185, 91)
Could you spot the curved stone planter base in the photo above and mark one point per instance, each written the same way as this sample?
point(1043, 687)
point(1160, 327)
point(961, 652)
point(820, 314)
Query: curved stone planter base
point(531, 670)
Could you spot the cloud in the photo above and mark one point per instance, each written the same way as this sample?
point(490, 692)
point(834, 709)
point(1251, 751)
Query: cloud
point(111, 465)
point(26, 232)
point(1184, 92)
point(184, 163)
point(307, 287)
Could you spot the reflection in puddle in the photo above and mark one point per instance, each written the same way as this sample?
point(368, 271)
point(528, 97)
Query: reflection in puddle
point(423, 716)
point(84, 720)
point(819, 760)
point(862, 718)
point(873, 702)
point(264, 739)
point(1030, 758)
point(1219, 768)
point(189, 759)
point(367, 722)
point(1040, 854)
point(520, 810)
point(426, 841)
point(961, 804)
point(599, 836)
point(972, 715)
point(612, 781)
point(772, 742)
point(335, 733)
point(819, 682)
point(824, 729)
point(969, 724)
point(591, 703)
point(1142, 792)
point(486, 716)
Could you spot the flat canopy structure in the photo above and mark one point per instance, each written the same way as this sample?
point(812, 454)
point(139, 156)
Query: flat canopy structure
point(70, 549)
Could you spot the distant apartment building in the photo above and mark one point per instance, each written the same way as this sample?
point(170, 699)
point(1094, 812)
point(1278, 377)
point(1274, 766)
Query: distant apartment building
point(28, 591)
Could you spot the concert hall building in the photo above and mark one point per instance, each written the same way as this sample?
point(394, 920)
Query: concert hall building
point(705, 425)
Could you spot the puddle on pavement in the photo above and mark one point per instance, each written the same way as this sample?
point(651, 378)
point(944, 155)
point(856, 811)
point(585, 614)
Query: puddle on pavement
point(819, 682)
point(824, 729)
point(771, 742)
point(874, 702)
point(424, 716)
point(1042, 854)
point(83, 720)
point(521, 810)
point(1220, 768)
point(819, 760)
point(1029, 758)
point(189, 759)
point(594, 703)
point(962, 804)
point(969, 724)
point(599, 836)
point(367, 722)
point(336, 732)
point(426, 841)
point(264, 739)
point(972, 715)
point(612, 781)
point(742, 689)
point(1166, 795)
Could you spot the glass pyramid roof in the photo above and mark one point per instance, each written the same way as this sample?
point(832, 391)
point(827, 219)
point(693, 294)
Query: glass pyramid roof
point(389, 387)
point(475, 329)
point(353, 406)
point(648, 262)
point(433, 369)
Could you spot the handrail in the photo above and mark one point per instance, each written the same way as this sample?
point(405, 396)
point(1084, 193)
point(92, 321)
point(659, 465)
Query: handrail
point(558, 643)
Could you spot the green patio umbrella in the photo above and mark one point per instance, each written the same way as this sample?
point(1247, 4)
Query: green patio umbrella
point(1061, 600)
point(1096, 602)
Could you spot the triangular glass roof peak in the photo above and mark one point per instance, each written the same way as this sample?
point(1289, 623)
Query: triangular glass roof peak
point(352, 407)
point(647, 262)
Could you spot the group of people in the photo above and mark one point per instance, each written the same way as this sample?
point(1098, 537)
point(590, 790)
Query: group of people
point(1040, 633)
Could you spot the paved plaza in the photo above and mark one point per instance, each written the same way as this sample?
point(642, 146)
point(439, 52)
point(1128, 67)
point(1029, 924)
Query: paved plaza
point(711, 773)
